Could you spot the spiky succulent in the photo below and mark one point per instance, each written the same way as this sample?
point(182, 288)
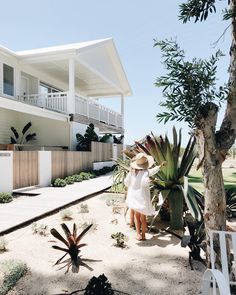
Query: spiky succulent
point(99, 286)
point(72, 242)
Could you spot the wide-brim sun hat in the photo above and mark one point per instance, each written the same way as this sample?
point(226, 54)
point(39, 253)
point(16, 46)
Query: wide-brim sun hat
point(142, 161)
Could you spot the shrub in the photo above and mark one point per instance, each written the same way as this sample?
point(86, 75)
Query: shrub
point(66, 214)
point(77, 178)
point(12, 271)
point(85, 175)
point(59, 182)
point(41, 229)
point(5, 198)
point(69, 180)
point(3, 244)
point(84, 208)
point(120, 239)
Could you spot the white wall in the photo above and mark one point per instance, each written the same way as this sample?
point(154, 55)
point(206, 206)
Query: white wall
point(6, 171)
point(49, 132)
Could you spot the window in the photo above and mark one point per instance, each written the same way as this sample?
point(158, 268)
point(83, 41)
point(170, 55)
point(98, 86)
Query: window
point(8, 80)
point(45, 88)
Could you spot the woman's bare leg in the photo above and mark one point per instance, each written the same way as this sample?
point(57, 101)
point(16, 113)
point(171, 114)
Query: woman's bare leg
point(144, 226)
point(138, 225)
point(131, 218)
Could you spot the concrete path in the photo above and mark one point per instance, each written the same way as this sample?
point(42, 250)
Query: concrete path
point(24, 210)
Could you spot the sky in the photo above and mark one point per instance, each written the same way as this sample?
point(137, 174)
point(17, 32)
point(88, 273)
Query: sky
point(133, 24)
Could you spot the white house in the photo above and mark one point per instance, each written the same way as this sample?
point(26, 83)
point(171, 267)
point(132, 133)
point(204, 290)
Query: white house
point(58, 90)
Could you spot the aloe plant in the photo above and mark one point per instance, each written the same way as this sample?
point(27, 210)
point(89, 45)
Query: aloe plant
point(172, 179)
point(73, 245)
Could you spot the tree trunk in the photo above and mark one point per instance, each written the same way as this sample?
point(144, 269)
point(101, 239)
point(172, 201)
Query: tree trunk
point(210, 157)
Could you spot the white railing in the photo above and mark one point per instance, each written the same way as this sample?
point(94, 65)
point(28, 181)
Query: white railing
point(91, 109)
point(56, 101)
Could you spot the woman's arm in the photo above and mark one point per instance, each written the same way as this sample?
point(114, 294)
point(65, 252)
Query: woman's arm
point(127, 179)
point(154, 170)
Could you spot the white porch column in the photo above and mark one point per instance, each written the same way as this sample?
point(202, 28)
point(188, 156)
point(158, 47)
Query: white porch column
point(71, 96)
point(122, 110)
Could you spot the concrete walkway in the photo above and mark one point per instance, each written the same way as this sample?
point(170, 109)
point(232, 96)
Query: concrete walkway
point(27, 209)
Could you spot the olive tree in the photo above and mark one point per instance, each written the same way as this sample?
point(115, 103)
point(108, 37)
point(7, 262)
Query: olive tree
point(192, 96)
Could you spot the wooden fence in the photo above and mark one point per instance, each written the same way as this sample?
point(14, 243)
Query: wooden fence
point(63, 163)
point(67, 163)
point(25, 169)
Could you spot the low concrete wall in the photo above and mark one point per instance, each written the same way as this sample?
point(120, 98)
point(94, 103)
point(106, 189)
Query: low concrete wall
point(100, 165)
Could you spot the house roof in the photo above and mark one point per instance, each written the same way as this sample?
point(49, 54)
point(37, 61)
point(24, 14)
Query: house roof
point(99, 71)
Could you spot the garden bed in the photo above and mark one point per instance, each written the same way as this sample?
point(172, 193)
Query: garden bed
point(156, 266)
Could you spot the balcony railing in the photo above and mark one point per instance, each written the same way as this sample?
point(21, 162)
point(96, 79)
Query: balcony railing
point(91, 109)
point(56, 101)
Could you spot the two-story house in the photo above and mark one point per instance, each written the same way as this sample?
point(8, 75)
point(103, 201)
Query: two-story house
point(58, 90)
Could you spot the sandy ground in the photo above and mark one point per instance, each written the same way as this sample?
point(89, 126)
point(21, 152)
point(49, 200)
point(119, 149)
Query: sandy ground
point(156, 266)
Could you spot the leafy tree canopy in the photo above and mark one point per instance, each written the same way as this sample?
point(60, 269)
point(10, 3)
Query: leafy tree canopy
point(189, 87)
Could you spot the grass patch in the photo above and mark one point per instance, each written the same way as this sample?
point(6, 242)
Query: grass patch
point(11, 271)
point(195, 179)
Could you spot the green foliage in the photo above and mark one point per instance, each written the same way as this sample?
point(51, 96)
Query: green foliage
point(84, 141)
point(59, 182)
point(5, 198)
point(66, 214)
point(119, 139)
point(99, 286)
point(25, 137)
point(69, 180)
point(86, 175)
point(73, 246)
point(106, 138)
point(120, 172)
point(12, 271)
point(230, 195)
point(3, 244)
point(120, 239)
point(171, 180)
point(41, 229)
point(77, 178)
point(198, 9)
point(189, 87)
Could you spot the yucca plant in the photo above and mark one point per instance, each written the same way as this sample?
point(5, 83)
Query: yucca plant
point(73, 245)
point(172, 179)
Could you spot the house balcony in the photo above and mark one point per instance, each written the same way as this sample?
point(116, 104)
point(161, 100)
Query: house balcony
point(87, 110)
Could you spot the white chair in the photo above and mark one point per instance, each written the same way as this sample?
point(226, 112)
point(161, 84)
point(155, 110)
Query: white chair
point(217, 281)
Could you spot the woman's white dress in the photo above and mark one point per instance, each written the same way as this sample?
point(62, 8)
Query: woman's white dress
point(138, 195)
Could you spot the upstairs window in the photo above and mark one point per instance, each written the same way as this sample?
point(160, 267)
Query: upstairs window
point(8, 80)
point(45, 88)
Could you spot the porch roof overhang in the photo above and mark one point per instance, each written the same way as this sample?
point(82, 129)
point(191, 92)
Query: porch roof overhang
point(98, 69)
point(14, 105)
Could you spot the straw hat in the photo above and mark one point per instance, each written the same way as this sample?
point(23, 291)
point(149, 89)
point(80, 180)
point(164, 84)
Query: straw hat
point(142, 161)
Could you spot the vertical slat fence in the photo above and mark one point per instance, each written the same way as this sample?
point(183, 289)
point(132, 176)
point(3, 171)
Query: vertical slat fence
point(25, 169)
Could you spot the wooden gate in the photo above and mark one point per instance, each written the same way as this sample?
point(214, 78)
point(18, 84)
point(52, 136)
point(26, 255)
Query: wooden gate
point(25, 169)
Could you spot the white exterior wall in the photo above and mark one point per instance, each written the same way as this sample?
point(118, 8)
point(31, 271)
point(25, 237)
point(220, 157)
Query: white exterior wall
point(6, 171)
point(78, 128)
point(49, 132)
point(45, 168)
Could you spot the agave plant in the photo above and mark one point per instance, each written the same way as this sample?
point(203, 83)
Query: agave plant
point(73, 245)
point(24, 137)
point(119, 174)
point(172, 179)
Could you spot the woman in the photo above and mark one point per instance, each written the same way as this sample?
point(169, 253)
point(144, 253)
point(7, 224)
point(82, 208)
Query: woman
point(138, 195)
